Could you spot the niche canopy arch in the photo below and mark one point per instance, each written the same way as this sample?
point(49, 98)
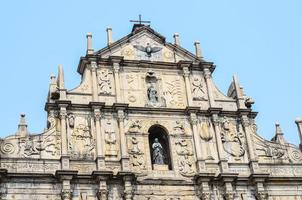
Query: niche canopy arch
point(159, 148)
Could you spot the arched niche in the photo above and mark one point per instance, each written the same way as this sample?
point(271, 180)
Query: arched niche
point(158, 132)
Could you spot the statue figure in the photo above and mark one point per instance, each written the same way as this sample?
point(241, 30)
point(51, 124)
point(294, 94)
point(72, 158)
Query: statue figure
point(158, 156)
point(152, 94)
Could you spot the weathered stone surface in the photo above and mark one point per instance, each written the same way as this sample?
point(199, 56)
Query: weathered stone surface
point(99, 136)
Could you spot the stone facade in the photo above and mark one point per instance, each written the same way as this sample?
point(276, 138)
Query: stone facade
point(99, 139)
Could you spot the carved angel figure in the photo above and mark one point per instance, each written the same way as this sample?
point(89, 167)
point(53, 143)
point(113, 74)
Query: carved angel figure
point(147, 49)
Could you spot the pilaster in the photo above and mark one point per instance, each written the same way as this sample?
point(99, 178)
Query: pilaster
point(185, 65)
point(200, 152)
point(120, 109)
point(227, 179)
point(203, 181)
point(116, 60)
point(223, 163)
point(209, 83)
point(96, 109)
point(64, 143)
point(93, 68)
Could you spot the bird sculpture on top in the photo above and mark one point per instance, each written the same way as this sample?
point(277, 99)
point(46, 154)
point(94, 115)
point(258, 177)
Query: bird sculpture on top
point(147, 49)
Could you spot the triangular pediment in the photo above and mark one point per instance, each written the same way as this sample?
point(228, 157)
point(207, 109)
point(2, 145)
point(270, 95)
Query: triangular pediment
point(146, 44)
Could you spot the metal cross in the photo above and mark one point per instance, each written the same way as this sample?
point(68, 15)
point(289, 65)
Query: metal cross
point(140, 21)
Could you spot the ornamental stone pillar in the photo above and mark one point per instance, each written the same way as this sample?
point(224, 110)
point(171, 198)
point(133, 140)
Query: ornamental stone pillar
point(100, 160)
point(64, 142)
point(209, 83)
point(186, 73)
point(93, 68)
point(221, 154)
point(120, 108)
point(250, 145)
point(200, 153)
point(115, 60)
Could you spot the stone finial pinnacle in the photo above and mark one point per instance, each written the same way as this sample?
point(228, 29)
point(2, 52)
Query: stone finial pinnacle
point(60, 77)
point(176, 39)
point(22, 127)
point(109, 36)
point(278, 138)
point(89, 50)
point(198, 49)
point(299, 125)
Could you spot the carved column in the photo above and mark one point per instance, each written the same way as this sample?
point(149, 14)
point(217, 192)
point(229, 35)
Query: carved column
point(200, 154)
point(96, 107)
point(64, 143)
point(248, 134)
point(95, 95)
point(186, 73)
point(219, 145)
point(115, 60)
point(124, 153)
point(208, 78)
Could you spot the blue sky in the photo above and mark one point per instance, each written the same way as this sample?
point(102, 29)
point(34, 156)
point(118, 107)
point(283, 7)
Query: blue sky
point(259, 41)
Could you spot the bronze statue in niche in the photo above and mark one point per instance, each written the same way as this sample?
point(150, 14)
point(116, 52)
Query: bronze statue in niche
point(159, 147)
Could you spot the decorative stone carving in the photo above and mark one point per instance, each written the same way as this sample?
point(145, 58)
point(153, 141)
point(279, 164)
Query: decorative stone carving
point(172, 92)
point(229, 195)
point(136, 155)
point(71, 120)
point(185, 157)
point(104, 80)
point(206, 195)
point(110, 139)
point(82, 143)
point(179, 128)
point(66, 195)
point(232, 139)
point(148, 49)
point(261, 195)
point(102, 194)
point(33, 146)
point(135, 127)
point(114, 193)
point(153, 99)
point(206, 130)
point(198, 89)
point(295, 155)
